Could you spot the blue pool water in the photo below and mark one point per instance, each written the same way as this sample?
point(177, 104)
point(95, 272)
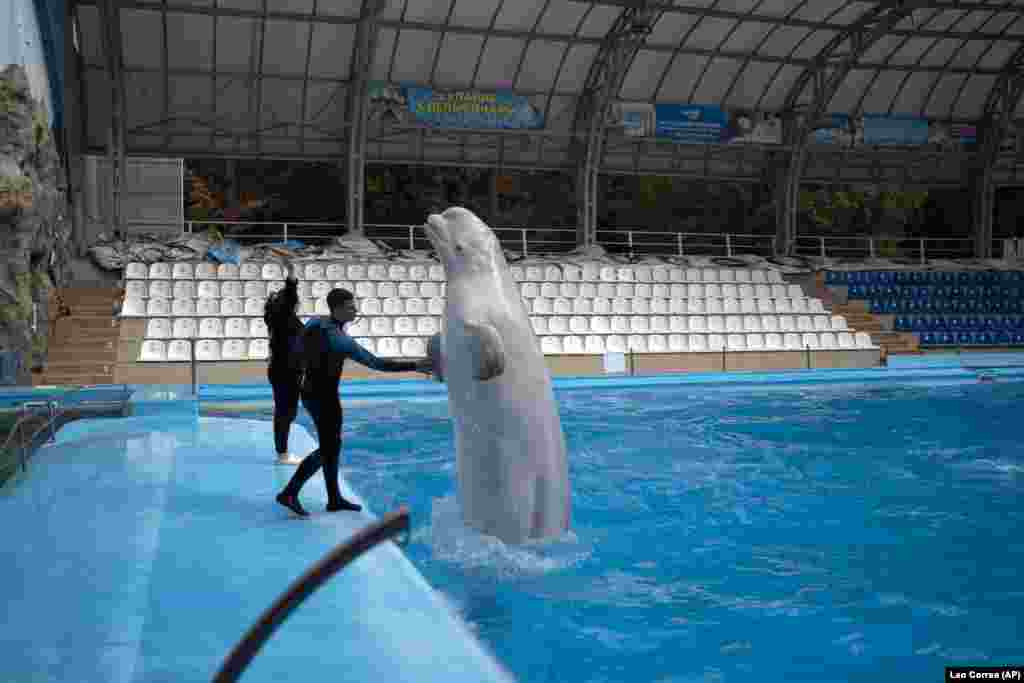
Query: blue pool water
point(818, 533)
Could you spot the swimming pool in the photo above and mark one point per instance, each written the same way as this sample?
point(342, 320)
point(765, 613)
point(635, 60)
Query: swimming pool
point(820, 533)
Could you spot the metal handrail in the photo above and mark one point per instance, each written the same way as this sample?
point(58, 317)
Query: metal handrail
point(249, 646)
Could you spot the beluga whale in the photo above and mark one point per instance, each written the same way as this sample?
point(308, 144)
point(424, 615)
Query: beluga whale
point(513, 475)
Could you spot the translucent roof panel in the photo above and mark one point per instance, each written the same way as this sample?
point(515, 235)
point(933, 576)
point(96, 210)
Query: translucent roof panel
point(276, 75)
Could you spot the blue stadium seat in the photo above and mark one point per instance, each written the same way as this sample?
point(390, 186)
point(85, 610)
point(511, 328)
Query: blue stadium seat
point(948, 278)
point(963, 278)
point(1018, 338)
point(989, 277)
point(1016, 276)
point(856, 292)
point(871, 277)
point(830, 277)
point(918, 277)
point(984, 338)
point(1009, 323)
point(856, 277)
point(972, 323)
point(989, 292)
point(1005, 276)
point(1002, 338)
point(902, 277)
point(921, 324)
point(992, 324)
point(1019, 324)
point(914, 305)
point(887, 277)
point(932, 278)
point(902, 323)
point(964, 339)
point(927, 339)
point(968, 306)
point(956, 291)
point(877, 306)
point(939, 323)
point(946, 339)
point(972, 292)
point(954, 324)
point(891, 306)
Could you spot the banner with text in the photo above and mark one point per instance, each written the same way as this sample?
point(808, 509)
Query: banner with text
point(415, 105)
point(695, 124)
point(894, 129)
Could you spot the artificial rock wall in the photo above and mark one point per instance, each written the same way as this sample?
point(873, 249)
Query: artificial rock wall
point(35, 224)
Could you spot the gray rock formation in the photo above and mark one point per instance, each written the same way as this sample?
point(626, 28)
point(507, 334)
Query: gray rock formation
point(35, 227)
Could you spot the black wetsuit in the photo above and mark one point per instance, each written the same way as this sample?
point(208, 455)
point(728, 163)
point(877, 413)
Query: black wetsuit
point(284, 327)
point(321, 400)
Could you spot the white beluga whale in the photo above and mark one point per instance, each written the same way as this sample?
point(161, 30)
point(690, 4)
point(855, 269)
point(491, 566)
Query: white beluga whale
point(513, 475)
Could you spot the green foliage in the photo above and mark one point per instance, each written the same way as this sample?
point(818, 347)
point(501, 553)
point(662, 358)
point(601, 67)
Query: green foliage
point(17, 183)
point(824, 207)
point(40, 127)
point(8, 96)
point(903, 200)
point(21, 309)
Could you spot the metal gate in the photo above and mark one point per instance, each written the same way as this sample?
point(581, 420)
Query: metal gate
point(151, 195)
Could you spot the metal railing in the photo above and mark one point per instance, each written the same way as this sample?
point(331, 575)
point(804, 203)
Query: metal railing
point(57, 413)
point(366, 539)
point(540, 241)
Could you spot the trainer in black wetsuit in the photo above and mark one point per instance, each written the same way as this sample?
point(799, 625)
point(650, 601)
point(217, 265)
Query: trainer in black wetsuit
point(320, 398)
point(283, 327)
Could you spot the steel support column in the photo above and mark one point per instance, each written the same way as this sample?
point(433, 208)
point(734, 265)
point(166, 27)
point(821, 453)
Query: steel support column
point(593, 108)
point(110, 38)
point(1000, 105)
point(362, 62)
point(825, 75)
point(76, 128)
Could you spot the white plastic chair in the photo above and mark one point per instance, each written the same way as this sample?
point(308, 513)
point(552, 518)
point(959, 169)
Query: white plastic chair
point(250, 271)
point(758, 276)
point(773, 341)
point(228, 271)
point(354, 272)
point(136, 271)
point(429, 290)
point(605, 290)
point(209, 289)
point(787, 323)
point(730, 291)
point(863, 340)
point(153, 351)
point(236, 328)
point(714, 306)
point(699, 343)
point(643, 290)
point(179, 350)
point(388, 347)
point(716, 323)
point(312, 271)
point(571, 273)
point(620, 325)
point(736, 342)
point(594, 344)
point(600, 324)
point(182, 271)
point(137, 289)
point(183, 307)
point(676, 274)
point(415, 306)
point(765, 306)
point(637, 343)
point(804, 324)
point(794, 291)
point(418, 272)
point(413, 347)
point(626, 290)
point(258, 328)
point(615, 343)
point(392, 306)
point(774, 276)
point(678, 291)
point(827, 340)
point(715, 342)
point(709, 275)
point(845, 341)
point(561, 306)
point(588, 290)
point(579, 325)
point(660, 274)
point(762, 292)
point(259, 349)
point(360, 327)
point(712, 291)
point(158, 328)
point(233, 306)
point(397, 272)
point(678, 343)
point(255, 289)
point(405, 326)
point(572, 344)
point(208, 350)
point(254, 306)
point(377, 272)
point(656, 343)
point(751, 323)
point(678, 323)
point(436, 273)
point(769, 323)
point(539, 324)
point(695, 307)
point(658, 323)
point(640, 306)
point(639, 324)
point(581, 306)
point(533, 273)
point(160, 271)
point(609, 274)
point(755, 342)
point(698, 323)
point(730, 306)
point(234, 349)
point(570, 290)
point(160, 289)
point(659, 306)
point(809, 339)
point(381, 327)
point(529, 290)
point(207, 307)
point(427, 326)
point(158, 307)
point(550, 345)
point(408, 290)
point(184, 289)
point(133, 307)
point(746, 291)
point(387, 290)
point(792, 342)
point(733, 323)
point(365, 289)
point(541, 306)
point(660, 290)
point(821, 323)
point(209, 328)
point(435, 306)
point(602, 306)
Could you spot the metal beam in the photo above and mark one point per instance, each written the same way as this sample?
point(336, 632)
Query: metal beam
point(367, 31)
point(771, 19)
point(604, 80)
point(110, 36)
point(76, 127)
point(1000, 105)
point(827, 74)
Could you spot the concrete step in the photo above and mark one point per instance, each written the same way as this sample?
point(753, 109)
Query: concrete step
point(106, 352)
point(47, 379)
point(89, 321)
point(66, 367)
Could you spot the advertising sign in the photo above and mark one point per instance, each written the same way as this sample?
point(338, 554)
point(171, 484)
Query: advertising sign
point(689, 123)
point(894, 129)
point(834, 129)
point(458, 109)
point(746, 126)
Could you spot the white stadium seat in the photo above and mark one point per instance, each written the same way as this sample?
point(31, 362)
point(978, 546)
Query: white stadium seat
point(160, 289)
point(539, 324)
point(769, 323)
point(755, 342)
point(678, 343)
point(228, 288)
point(436, 273)
point(542, 307)
point(815, 306)
point(698, 343)
point(615, 343)
point(136, 271)
point(572, 344)
point(408, 290)
point(863, 340)
point(839, 323)
point(258, 328)
point(158, 307)
point(709, 275)
point(360, 327)
point(236, 328)
point(794, 291)
point(183, 307)
point(210, 328)
point(748, 306)
point(381, 326)
point(804, 324)
point(160, 271)
point(658, 323)
point(696, 323)
point(415, 306)
point(427, 326)
point(620, 324)
point(254, 306)
point(656, 344)
point(846, 341)
point(158, 328)
point(783, 306)
point(153, 351)
point(388, 347)
point(417, 272)
point(185, 328)
point(429, 290)
point(370, 306)
point(387, 290)
point(742, 275)
point(558, 325)
point(561, 306)
point(435, 306)
point(637, 343)
point(397, 272)
point(758, 276)
point(787, 323)
point(821, 323)
point(593, 344)
point(600, 324)
point(578, 324)
point(206, 271)
point(179, 350)
point(392, 306)
point(313, 271)
point(209, 289)
point(572, 273)
point(712, 291)
point(376, 272)
point(234, 349)
point(751, 323)
point(792, 342)
point(232, 306)
point(320, 306)
point(715, 342)
point(588, 290)
point(730, 306)
point(773, 341)
point(714, 306)
point(583, 306)
point(827, 340)
point(364, 289)
point(809, 339)
point(133, 307)
point(208, 350)
point(255, 289)
point(182, 271)
point(250, 271)
point(138, 289)
point(639, 324)
point(736, 342)
point(405, 326)
point(774, 276)
point(608, 273)
point(259, 349)
point(205, 307)
point(550, 290)
point(355, 272)
point(184, 289)
point(414, 347)
point(227, 271)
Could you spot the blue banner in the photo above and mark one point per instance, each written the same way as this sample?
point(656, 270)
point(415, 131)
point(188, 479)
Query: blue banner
point(895, 129)
point(835, 129)
point(459, 109)
point(690, 123)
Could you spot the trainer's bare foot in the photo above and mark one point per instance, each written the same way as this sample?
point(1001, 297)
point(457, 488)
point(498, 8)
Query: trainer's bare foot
point(292, 503)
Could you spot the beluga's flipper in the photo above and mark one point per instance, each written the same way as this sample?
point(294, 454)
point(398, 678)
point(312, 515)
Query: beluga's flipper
point(489, 350)
point(436, 356)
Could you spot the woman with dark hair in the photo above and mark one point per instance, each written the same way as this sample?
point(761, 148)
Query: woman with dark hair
point(285, 329)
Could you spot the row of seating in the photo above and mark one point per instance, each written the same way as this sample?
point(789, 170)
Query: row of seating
point(408, 326)
point(215, 289)
point(907, 277)
point(177, 350)
point(986, 338)
point(955, 324)
point(419, 272)
point(935, 291)
point(254, 306)
point(962, 306)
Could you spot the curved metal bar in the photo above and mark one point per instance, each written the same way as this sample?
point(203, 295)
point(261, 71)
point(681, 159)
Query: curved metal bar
point(247, 648)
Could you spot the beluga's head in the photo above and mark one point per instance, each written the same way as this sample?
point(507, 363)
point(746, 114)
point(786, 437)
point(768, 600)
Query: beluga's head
point(464, 243)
